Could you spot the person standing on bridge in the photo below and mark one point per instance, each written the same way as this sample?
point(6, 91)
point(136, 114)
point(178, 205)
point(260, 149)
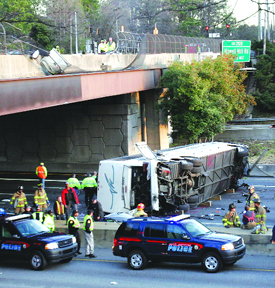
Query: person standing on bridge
point(19, 201)
point(111, 45)
point(41, 198)
point(42, 173)
point(89, 185)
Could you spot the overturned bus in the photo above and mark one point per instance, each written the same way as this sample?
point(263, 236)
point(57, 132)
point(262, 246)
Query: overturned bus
point(177, 178)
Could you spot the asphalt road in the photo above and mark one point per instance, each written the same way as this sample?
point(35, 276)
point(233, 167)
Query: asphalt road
point(110, 271)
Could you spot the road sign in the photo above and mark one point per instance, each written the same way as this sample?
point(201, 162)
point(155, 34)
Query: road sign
point(240, 48)
point(214, 35)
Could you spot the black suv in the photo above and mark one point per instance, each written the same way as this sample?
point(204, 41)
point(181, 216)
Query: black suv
point(175, 239)
point(25, 238)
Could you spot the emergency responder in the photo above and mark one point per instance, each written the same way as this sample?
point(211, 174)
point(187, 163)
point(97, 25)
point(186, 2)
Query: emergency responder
point(231, 218)
point(69, 199)
point(140, 211)
point(88, 227)
point(74, 183)
point(28, 210)
point(89, 185)
point(58, 49)
point(19, 201)
point(41, 198)
point(111, 45)
point(260, 214)
point(248, 220)
point(102, 47)
point(49, 220)
point(97, 208)
point(59, 209)
point(73, 225)
point(38, 214)
point(42, 173)
point(95, 176)
point(250, 199)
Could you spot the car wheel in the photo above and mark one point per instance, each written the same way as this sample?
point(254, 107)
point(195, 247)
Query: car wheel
point(66, 260)
point(196, 170)
point(197, 162)
point(212, 262)
point(38, 261)
point(193, 199)
point(137, 260)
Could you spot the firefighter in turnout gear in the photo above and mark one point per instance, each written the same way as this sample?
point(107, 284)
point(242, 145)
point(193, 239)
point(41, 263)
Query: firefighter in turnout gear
point(19, 201)
point(231, 218)
point(41, 198)
point(73, 225)
point(260, 214)
point(88, 227)
point(250, 199)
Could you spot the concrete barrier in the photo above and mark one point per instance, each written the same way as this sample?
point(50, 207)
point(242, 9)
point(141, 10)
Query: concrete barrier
point(104, 233)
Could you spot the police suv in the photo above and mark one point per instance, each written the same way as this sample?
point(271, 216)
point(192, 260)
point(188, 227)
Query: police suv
point(28, 239)
point(175, 239)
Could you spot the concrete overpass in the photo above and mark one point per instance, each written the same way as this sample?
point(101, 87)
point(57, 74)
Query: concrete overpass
point(72, 121)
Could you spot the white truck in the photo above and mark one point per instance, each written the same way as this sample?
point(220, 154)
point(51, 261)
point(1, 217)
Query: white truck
point(177, 178)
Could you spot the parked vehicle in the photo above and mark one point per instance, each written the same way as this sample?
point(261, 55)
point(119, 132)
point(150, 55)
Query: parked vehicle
point(28, 239)
point(178, 178)
point(175, 239)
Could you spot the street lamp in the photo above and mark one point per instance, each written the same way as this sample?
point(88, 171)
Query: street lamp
point(71, 33)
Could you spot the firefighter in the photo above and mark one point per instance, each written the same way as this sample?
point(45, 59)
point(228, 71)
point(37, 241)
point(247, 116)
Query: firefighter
point(41, 198)
point(19, 201)
point(73, 225)
point(260, 214)
point(140, 211)
point(59, 209)
point(74, 183)
point(49, 221)
point(231, 218)
point(42, 173)
point(38, 215)
point(252, 195)
point(248, 220)
point(89, 185)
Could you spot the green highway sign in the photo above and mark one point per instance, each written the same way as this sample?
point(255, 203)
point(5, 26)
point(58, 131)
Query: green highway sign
point(240, 48)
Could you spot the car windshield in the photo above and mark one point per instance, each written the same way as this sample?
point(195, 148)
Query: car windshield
point(31, 227)
point(195, 228)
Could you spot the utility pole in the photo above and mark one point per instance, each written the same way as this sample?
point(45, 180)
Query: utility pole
point(267, 20)
point(260, 34)
point(76, 41)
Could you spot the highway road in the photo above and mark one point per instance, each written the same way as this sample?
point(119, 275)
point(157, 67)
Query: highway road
point(110, 271)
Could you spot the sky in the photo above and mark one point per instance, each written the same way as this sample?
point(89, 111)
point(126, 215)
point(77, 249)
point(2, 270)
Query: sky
point(245, 8)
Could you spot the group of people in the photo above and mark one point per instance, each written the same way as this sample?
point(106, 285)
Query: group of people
point(104, 47)
point(254, 216)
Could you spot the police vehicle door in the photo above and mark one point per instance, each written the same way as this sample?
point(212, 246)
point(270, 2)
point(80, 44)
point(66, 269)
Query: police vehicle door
point(156, 240)
point(180, 246)
point(11, 242)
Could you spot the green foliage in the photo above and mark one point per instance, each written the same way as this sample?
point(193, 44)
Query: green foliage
point(202, 96)
point(43, 35)
point(265, 76)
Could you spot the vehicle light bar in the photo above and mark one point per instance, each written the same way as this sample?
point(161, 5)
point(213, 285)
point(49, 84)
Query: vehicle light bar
point(178, 217)
point(17, 217)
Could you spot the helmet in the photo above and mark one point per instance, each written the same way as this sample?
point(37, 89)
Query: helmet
point(73, 175)
point(57, 46)
point(20, 188)
point(232, 206)
point(257, 200)
point(88, 174)
point(40, 185)
point(140, 206)
point(2, 212)
point(42, 164)
point(50, 212)
point(251, 188)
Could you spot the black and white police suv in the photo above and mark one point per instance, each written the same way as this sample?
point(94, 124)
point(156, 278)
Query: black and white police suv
point(28, 239)
point(175, 239)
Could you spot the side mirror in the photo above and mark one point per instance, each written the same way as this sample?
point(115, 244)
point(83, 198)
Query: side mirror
point(185, 237)
point(15, 236)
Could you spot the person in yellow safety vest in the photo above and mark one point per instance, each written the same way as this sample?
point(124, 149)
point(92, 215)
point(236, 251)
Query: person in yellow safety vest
point(42, 173)
point(49, 220)
point(102, 47)
point(90, 187)
point(19, 201)
point(74, 183)
point(73, 225)
point(250, 199)
point(111, 45)
point(59, 209)
point(140, 211)
point(231, 218)
point(41, 198)
point(88, 227)
point(260, 214)
point(58, 49)
point(38, 215)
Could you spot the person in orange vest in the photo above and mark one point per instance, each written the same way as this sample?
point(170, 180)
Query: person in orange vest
point(59, 209)
point(42, 173)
